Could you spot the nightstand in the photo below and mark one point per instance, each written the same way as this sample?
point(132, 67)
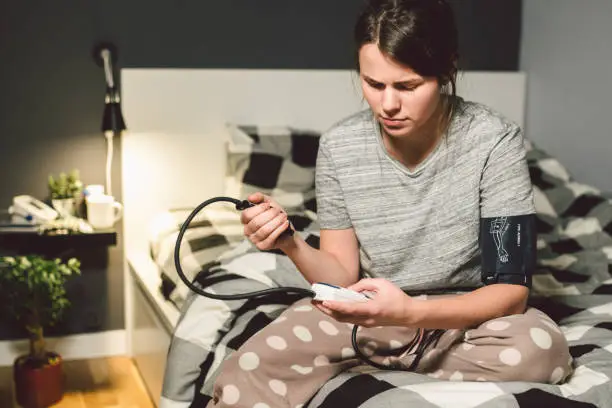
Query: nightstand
point(31, 242)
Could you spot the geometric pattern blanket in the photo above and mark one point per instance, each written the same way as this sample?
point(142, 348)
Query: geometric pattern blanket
point(574, 230)
point(210, 330)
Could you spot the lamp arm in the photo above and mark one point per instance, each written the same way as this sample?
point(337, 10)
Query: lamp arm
point(109, 161)
point(108, 71)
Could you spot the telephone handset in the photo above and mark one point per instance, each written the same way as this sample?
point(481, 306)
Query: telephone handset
point(32, 209)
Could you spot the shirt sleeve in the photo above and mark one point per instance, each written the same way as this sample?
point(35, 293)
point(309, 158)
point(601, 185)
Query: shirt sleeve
point(331, 207)
point(505, 187)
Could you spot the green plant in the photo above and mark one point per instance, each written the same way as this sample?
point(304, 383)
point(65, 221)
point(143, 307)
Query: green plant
point(65, 185)
point(32, 292)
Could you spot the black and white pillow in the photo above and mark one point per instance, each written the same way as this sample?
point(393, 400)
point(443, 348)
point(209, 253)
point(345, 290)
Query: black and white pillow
point(277, 161)
point(574, 230)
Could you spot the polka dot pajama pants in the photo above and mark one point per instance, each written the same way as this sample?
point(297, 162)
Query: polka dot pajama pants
point(285, 364)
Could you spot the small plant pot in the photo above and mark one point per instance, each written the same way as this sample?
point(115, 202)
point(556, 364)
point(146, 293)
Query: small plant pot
point(65, 207)
point(38, 385)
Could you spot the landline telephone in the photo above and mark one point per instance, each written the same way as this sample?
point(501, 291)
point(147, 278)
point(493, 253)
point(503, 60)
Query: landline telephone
point(39, 213)
point(32, 210)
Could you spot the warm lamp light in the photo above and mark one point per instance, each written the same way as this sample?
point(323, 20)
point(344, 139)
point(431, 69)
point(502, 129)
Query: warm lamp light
point(112, 118)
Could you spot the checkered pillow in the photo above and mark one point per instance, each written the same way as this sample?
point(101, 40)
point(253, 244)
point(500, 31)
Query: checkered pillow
point(277, 161)
point(574, 230)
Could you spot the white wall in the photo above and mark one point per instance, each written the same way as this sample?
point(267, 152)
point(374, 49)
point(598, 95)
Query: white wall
point(567, 53)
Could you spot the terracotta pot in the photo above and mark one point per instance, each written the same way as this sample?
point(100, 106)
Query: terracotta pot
point(36, 385)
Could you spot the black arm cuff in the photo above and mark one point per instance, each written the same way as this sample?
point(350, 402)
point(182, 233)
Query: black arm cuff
point(508, 249)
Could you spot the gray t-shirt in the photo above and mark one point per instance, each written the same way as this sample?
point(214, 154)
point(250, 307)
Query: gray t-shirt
point(419, 229)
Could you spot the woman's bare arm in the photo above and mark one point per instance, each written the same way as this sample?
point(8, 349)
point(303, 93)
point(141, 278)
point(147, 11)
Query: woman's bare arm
point(337, 260)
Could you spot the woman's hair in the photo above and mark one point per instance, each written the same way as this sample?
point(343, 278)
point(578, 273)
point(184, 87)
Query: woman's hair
point(420, 34)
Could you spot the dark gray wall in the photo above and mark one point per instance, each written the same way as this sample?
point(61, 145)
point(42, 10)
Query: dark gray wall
point(51, 94)
point(567, 55)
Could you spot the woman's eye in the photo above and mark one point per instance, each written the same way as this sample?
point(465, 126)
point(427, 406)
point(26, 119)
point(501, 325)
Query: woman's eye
point(376, 85)
point(408, 88)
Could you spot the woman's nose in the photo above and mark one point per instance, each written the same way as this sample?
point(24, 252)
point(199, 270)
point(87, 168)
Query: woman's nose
point(390, 102)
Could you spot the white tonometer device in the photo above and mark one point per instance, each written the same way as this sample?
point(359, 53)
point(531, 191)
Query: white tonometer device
point(326, 291)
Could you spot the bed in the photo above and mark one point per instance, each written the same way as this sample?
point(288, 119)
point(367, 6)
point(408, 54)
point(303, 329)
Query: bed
point(195, 134)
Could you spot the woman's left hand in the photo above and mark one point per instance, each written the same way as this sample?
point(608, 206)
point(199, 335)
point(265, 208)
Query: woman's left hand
point(388, 306)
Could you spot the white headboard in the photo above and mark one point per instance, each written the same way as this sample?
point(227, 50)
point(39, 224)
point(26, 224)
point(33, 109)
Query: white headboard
point(173, 153)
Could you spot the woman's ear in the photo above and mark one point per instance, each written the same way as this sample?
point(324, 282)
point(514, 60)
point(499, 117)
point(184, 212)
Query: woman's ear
point(450, 77)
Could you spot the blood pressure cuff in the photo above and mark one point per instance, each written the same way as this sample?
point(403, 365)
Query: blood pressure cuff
point(508, 249)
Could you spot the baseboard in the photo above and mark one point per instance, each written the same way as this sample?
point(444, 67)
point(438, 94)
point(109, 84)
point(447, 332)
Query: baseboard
point(79, 346)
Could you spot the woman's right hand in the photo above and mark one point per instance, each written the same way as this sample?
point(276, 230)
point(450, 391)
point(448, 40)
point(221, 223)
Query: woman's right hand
point(264, 222)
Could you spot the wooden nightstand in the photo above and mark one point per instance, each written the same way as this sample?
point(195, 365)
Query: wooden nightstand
point(31, 242)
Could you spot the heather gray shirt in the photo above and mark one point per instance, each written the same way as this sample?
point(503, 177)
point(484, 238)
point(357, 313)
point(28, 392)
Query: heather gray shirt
point(419, 229)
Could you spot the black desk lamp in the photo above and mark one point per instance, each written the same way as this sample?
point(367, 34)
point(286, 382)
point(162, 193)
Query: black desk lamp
point(112, 120)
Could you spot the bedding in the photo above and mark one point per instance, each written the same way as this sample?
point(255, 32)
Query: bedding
point(276, 160)
point(574, 230)
point(572, 284)
point(213, 239)
point(210, 330)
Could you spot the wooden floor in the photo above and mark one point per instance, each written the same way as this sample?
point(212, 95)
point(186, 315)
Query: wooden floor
point(104, 382)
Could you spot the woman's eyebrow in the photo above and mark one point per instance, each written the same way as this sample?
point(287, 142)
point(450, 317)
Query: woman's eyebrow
point(409, 81)
point(369, 79)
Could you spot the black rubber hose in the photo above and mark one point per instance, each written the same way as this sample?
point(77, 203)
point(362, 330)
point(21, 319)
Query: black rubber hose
point(240, 205)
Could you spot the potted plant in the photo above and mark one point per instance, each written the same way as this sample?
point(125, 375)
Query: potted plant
point(32, 293)
point(65, 191)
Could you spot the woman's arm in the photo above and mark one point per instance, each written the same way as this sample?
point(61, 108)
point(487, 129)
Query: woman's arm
point(468, 310)
point(337, 261)
point(390, 306)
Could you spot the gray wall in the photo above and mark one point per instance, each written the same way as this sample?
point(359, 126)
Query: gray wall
point(52, 92)
point(567, 54)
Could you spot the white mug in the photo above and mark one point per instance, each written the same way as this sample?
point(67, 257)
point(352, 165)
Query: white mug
point(93, 189)
point(103, 211)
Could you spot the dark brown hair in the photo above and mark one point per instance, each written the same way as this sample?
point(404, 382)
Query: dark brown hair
point(421, 34)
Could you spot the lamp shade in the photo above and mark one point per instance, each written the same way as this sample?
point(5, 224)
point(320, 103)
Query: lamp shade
point(112, 119)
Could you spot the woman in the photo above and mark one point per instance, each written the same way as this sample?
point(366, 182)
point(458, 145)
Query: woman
point(424, 194)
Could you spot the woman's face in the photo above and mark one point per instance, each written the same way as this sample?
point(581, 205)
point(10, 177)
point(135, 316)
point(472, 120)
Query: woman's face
point(402, 100)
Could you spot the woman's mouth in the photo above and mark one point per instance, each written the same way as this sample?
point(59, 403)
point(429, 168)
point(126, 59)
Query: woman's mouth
point(392, 122)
